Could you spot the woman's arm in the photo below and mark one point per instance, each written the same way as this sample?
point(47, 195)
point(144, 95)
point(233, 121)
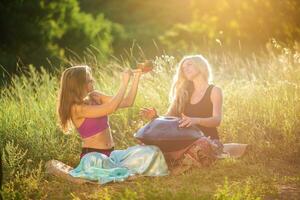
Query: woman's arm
point(151, 113)
point(92, 111)
point(126, 101)
point(215, 120)
point(129, 99)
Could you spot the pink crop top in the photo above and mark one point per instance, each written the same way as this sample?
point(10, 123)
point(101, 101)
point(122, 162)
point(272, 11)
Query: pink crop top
point(91, 126)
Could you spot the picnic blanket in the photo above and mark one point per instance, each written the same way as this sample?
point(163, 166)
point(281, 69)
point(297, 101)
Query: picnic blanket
point(143, 160)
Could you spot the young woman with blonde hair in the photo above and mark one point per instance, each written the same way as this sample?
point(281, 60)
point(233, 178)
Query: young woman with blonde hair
point(193, 98)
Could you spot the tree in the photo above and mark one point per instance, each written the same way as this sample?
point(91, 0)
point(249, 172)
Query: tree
point(34, 31)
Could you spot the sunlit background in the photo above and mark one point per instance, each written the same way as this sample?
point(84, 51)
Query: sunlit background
point(252, 45)
point(44, 32)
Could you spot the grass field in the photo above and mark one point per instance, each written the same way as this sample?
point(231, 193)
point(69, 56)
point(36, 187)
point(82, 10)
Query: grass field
point(261, 108)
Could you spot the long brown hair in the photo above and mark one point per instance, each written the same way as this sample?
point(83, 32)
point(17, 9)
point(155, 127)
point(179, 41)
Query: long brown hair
point(182, 88)
point(72, 91)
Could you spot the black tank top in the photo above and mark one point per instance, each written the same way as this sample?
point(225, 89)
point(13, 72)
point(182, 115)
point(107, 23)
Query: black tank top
point(204, 109)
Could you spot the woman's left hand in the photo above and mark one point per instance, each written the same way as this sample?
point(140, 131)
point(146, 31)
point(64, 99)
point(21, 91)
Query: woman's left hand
point(186, 121)
point(137, 72)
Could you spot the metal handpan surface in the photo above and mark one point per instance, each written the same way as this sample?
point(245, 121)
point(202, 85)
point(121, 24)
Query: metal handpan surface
point(165, 133)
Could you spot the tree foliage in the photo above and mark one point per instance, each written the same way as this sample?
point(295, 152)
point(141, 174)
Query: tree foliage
point(33, 31)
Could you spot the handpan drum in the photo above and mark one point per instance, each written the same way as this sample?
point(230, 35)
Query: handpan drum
point(165, 133)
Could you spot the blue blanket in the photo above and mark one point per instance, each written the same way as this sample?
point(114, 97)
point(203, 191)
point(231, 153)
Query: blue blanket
point(146, 160)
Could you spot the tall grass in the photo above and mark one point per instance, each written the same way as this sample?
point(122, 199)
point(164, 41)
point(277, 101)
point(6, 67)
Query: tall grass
point(261, 108)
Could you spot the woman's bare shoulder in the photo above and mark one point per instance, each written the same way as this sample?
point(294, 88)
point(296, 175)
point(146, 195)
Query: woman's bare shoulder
point(216, 92)
point(216, 89)
point(96, 96)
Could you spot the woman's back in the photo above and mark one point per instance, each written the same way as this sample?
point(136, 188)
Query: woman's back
point(94, 131)
point(91, 126)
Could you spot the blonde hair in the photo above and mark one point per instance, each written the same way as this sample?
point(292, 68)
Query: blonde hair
point(72, 91)
point(182, 87)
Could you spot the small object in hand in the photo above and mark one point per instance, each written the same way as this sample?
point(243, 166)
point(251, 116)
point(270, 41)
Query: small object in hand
point(146, 66)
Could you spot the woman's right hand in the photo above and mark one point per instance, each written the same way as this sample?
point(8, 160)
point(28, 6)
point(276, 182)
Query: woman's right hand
point(148, 113)
point(126, 74)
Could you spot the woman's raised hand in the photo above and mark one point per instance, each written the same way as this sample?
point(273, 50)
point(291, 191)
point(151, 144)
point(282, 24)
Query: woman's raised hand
point(137, 71)
point(144, 67)
point(148, 113)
